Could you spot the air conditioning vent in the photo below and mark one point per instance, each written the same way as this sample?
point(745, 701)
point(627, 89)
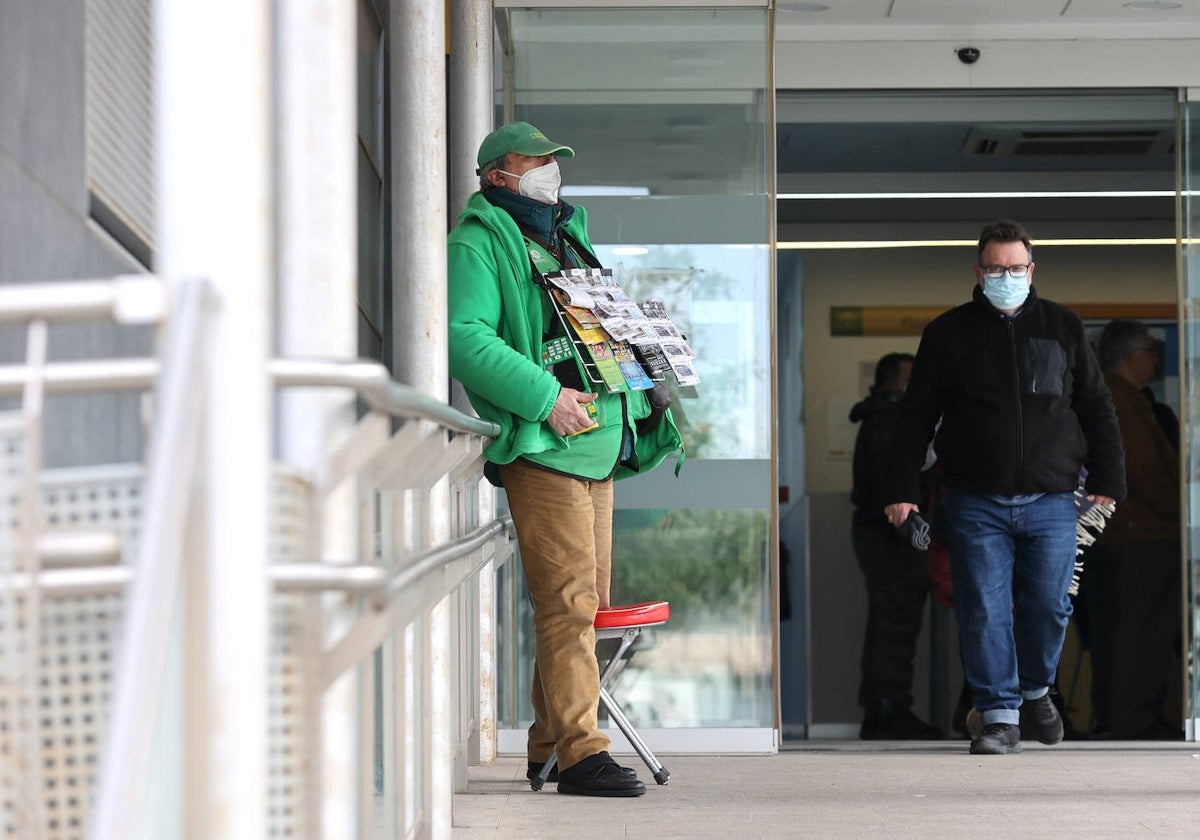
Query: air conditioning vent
point(1074, 142)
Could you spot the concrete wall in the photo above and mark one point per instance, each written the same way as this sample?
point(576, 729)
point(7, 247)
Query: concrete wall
point(45, 230)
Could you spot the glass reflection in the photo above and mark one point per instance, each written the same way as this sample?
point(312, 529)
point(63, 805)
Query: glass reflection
point(667, 112)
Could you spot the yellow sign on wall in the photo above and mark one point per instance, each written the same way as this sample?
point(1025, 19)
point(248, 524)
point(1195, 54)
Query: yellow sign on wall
point(911, 320)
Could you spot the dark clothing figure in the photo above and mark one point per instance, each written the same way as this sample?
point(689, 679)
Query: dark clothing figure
point(1022, 400)
point(1167, 420)
point(1023, 408)
point(897, 582)
point(1132, 574)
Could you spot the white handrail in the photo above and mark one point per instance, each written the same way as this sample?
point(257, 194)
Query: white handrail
point(128, 299)
point(378, 583)
point(79, 376)
point(373, 381)
point(153, 580)
point(142, 657)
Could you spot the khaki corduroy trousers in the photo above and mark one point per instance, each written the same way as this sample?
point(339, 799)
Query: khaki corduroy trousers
point(564, 530)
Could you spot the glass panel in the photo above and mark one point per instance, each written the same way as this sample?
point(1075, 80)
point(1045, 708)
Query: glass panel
point(1190, 222)
point(667, 111)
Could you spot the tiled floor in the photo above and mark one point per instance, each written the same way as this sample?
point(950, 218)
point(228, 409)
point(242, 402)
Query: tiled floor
point(852, 789)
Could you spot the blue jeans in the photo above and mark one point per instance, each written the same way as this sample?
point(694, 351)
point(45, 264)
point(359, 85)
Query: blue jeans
point(1011, 566)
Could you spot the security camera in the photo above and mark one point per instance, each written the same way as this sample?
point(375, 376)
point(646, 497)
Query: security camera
point(968, 55)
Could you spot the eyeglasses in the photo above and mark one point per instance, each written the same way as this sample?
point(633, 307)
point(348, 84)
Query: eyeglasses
point(995, 272)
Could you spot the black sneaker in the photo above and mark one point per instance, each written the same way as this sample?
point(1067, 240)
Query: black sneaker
point(997, 739)
point(1040, 719)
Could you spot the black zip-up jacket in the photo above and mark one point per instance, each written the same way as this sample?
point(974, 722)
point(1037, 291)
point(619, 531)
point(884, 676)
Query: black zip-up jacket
point(872, 448)
point(1022, 400)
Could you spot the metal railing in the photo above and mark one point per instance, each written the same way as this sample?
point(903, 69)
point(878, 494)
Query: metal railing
point(391, 588)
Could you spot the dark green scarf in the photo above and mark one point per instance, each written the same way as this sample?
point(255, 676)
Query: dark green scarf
point(544, 219)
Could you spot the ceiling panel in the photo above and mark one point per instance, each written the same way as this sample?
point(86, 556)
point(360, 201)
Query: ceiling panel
point(1114, 10)
point(838, 11)
point(980, 12)
point(975, 11)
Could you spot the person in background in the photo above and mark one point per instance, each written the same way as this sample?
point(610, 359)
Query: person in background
point(560, 445)
point(1133, 572)
point(1166, 417)
point(1023, 407)
point(896, 574)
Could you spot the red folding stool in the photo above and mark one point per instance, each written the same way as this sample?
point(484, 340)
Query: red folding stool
point(625, 623)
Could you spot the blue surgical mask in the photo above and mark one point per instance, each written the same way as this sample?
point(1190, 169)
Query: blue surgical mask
point(1006, 292)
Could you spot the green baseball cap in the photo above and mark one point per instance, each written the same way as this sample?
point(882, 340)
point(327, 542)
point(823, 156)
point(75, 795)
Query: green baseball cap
point(522, 138)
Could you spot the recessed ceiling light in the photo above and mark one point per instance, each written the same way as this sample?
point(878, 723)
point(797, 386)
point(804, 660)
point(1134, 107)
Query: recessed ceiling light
point(630, 251)
point(690, 122)
point(597, 189)
point(1152, 5)
point(802, 7)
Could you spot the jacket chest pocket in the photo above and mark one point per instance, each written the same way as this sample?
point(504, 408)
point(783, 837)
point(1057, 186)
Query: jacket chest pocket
point(1045, 367)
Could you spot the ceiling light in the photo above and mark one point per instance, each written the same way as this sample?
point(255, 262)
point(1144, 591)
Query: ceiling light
point(869, 196)
point(601, 190)
point(1152, 5)
point(802, 7)
point(630, 251)
point(689, 122)
point(828, 245)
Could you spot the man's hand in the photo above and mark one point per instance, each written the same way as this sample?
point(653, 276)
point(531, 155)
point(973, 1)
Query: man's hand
point(1104, 501)
point(897, 513)
point(568, 416)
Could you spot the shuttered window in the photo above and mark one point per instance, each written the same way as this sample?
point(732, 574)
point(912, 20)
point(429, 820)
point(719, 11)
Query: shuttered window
point(120, 122)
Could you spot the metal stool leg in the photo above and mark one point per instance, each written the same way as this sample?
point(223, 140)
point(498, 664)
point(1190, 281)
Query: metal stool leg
point(618, 715)
point(612, 668)
point(539, 781)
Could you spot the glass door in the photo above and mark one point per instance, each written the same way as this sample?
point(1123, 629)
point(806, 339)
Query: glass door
point(1189, 224)
point(669, 112)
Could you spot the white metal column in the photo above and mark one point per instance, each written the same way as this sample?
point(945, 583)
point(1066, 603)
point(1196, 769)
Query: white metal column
point(417, 35)
point(471, 106)
point(471, 119)
point(317, 282)
point(215, 199)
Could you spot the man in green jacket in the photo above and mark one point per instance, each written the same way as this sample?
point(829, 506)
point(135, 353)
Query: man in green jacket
point(561, 444)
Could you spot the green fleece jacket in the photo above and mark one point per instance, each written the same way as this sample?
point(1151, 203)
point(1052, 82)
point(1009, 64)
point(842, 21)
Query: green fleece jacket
point(498, 319)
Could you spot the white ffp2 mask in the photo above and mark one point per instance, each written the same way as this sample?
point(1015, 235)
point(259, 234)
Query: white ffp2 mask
point(540, 183)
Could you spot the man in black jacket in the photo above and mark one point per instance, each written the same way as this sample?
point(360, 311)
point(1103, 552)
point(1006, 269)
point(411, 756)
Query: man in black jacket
point(1024, 408)
point(896, 576)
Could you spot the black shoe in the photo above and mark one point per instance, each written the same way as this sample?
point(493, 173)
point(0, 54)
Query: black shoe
point(599, 775)
point(898, 723)
point(1040, 719)
point(997, 739)
point(535, 767)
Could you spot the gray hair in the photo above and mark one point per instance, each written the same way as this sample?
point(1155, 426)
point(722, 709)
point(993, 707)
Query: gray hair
point(498, 163)
point(1120, 336)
